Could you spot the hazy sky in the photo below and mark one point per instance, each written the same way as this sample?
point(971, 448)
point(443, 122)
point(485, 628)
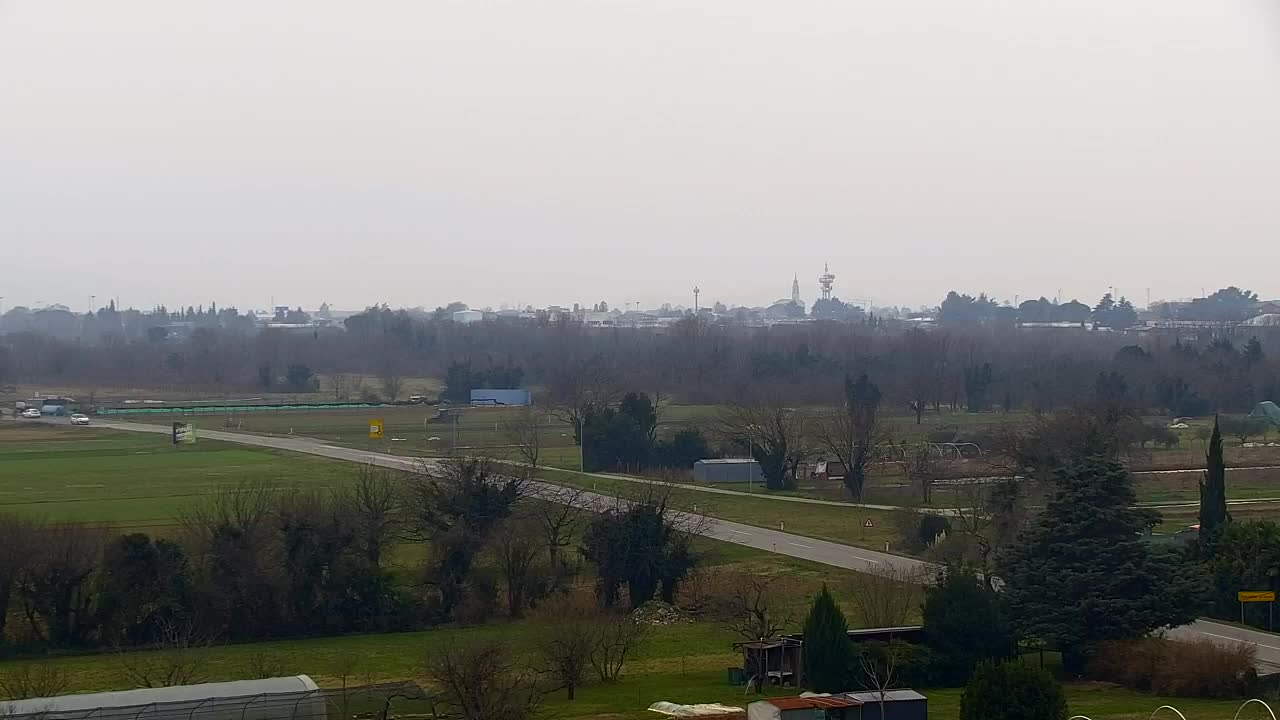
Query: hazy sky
point(553, 151)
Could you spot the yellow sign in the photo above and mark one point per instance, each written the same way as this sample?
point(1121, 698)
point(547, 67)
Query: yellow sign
point(1257, 596)
point(375, 429)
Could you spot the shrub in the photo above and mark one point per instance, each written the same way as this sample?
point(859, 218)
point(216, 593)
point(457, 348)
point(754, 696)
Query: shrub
point(918, 530)
point(1158, 665)
point(1012, 691)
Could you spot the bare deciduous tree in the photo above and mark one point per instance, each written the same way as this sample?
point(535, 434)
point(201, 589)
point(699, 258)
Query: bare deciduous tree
point(373, 508)
point(881, 665)
point(178, 657)
point(517, 544)
point(345, 386)
point(579, 385)
point(887, 596)
point(854, 435)
point(988, 516)
point(392, 383)
point(774, 435)
point(922, 467)
point(568, 633)
point(483, 681)
point(561, 513)
point(752, 607)
point(619, 636)
point(523, 433)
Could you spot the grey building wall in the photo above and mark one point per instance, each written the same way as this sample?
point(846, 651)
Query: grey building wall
point(719, 471)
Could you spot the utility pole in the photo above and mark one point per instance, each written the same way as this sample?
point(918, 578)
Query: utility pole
point(696, 290)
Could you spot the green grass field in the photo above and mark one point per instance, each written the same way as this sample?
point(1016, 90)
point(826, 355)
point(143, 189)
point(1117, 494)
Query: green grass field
point(133, 479)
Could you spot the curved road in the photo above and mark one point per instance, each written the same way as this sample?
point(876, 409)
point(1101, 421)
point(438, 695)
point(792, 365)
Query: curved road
point(1266, 645)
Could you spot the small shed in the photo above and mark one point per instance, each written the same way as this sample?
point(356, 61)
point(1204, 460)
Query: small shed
point(501, 397)
point(728, 470)
point(777, 661)
point(897, 705)
point(805, 707)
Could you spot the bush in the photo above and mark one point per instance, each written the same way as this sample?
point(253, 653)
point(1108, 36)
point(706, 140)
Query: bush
point(918, 530)
point(1012, 691)
point(1158, 665)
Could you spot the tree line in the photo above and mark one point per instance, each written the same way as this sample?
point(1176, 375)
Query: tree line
point(253, 562)
point(969, 363)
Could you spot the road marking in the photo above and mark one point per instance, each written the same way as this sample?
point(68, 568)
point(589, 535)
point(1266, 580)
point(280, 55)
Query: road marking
point(806, 547)
point(866, 560)
point(1246, 642)
point(739, 532)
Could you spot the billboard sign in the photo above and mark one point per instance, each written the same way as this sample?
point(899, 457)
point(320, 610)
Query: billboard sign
point(375, 429)
point(184, 433)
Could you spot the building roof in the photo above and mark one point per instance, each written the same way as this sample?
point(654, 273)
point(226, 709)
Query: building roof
point(148, 696)
point(813, 701)
point(889, 696)
point(886, 631)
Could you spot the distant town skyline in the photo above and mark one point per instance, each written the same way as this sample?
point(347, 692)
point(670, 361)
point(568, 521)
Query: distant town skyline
point(708, 299)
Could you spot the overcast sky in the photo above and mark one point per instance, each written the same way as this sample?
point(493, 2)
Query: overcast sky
point(558, 151)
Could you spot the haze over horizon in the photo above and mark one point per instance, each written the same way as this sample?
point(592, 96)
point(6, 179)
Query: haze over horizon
point(568, 151)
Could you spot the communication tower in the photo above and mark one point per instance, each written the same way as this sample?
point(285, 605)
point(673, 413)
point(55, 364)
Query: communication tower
point(826, 281)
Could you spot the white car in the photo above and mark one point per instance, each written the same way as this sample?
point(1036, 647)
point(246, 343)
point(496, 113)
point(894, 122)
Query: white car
point(79, 419)
point(31, 413)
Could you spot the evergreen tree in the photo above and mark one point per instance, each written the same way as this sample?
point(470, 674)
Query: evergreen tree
point(1213, 487)
point(827, 650)
point(964, 624)
point(1083, 574)
point(1012, 691)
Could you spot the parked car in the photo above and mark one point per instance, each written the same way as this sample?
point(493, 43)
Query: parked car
point(31, 413)
point(79, 419)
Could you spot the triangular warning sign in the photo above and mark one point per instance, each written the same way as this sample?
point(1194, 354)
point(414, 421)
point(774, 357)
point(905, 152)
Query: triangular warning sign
point(869, 523)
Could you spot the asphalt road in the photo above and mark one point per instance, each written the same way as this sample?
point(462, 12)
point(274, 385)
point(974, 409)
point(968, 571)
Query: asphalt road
point(1266, 645)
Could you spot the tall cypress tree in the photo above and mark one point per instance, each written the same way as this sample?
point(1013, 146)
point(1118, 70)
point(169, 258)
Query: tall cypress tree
point(1213, 487)
point(827, 651)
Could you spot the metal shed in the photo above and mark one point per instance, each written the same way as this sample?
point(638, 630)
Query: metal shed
point(898, 705)
point(804, 707)
point(728, 470)
point(284, 698)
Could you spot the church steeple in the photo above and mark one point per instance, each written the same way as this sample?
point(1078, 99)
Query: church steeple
point(795, 289)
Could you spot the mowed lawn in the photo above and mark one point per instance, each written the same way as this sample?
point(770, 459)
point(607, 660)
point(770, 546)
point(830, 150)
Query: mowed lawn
point(59, 472)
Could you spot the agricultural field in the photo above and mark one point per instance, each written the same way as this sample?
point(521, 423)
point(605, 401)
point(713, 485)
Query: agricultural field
point(133, 480)
point(423, 430)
